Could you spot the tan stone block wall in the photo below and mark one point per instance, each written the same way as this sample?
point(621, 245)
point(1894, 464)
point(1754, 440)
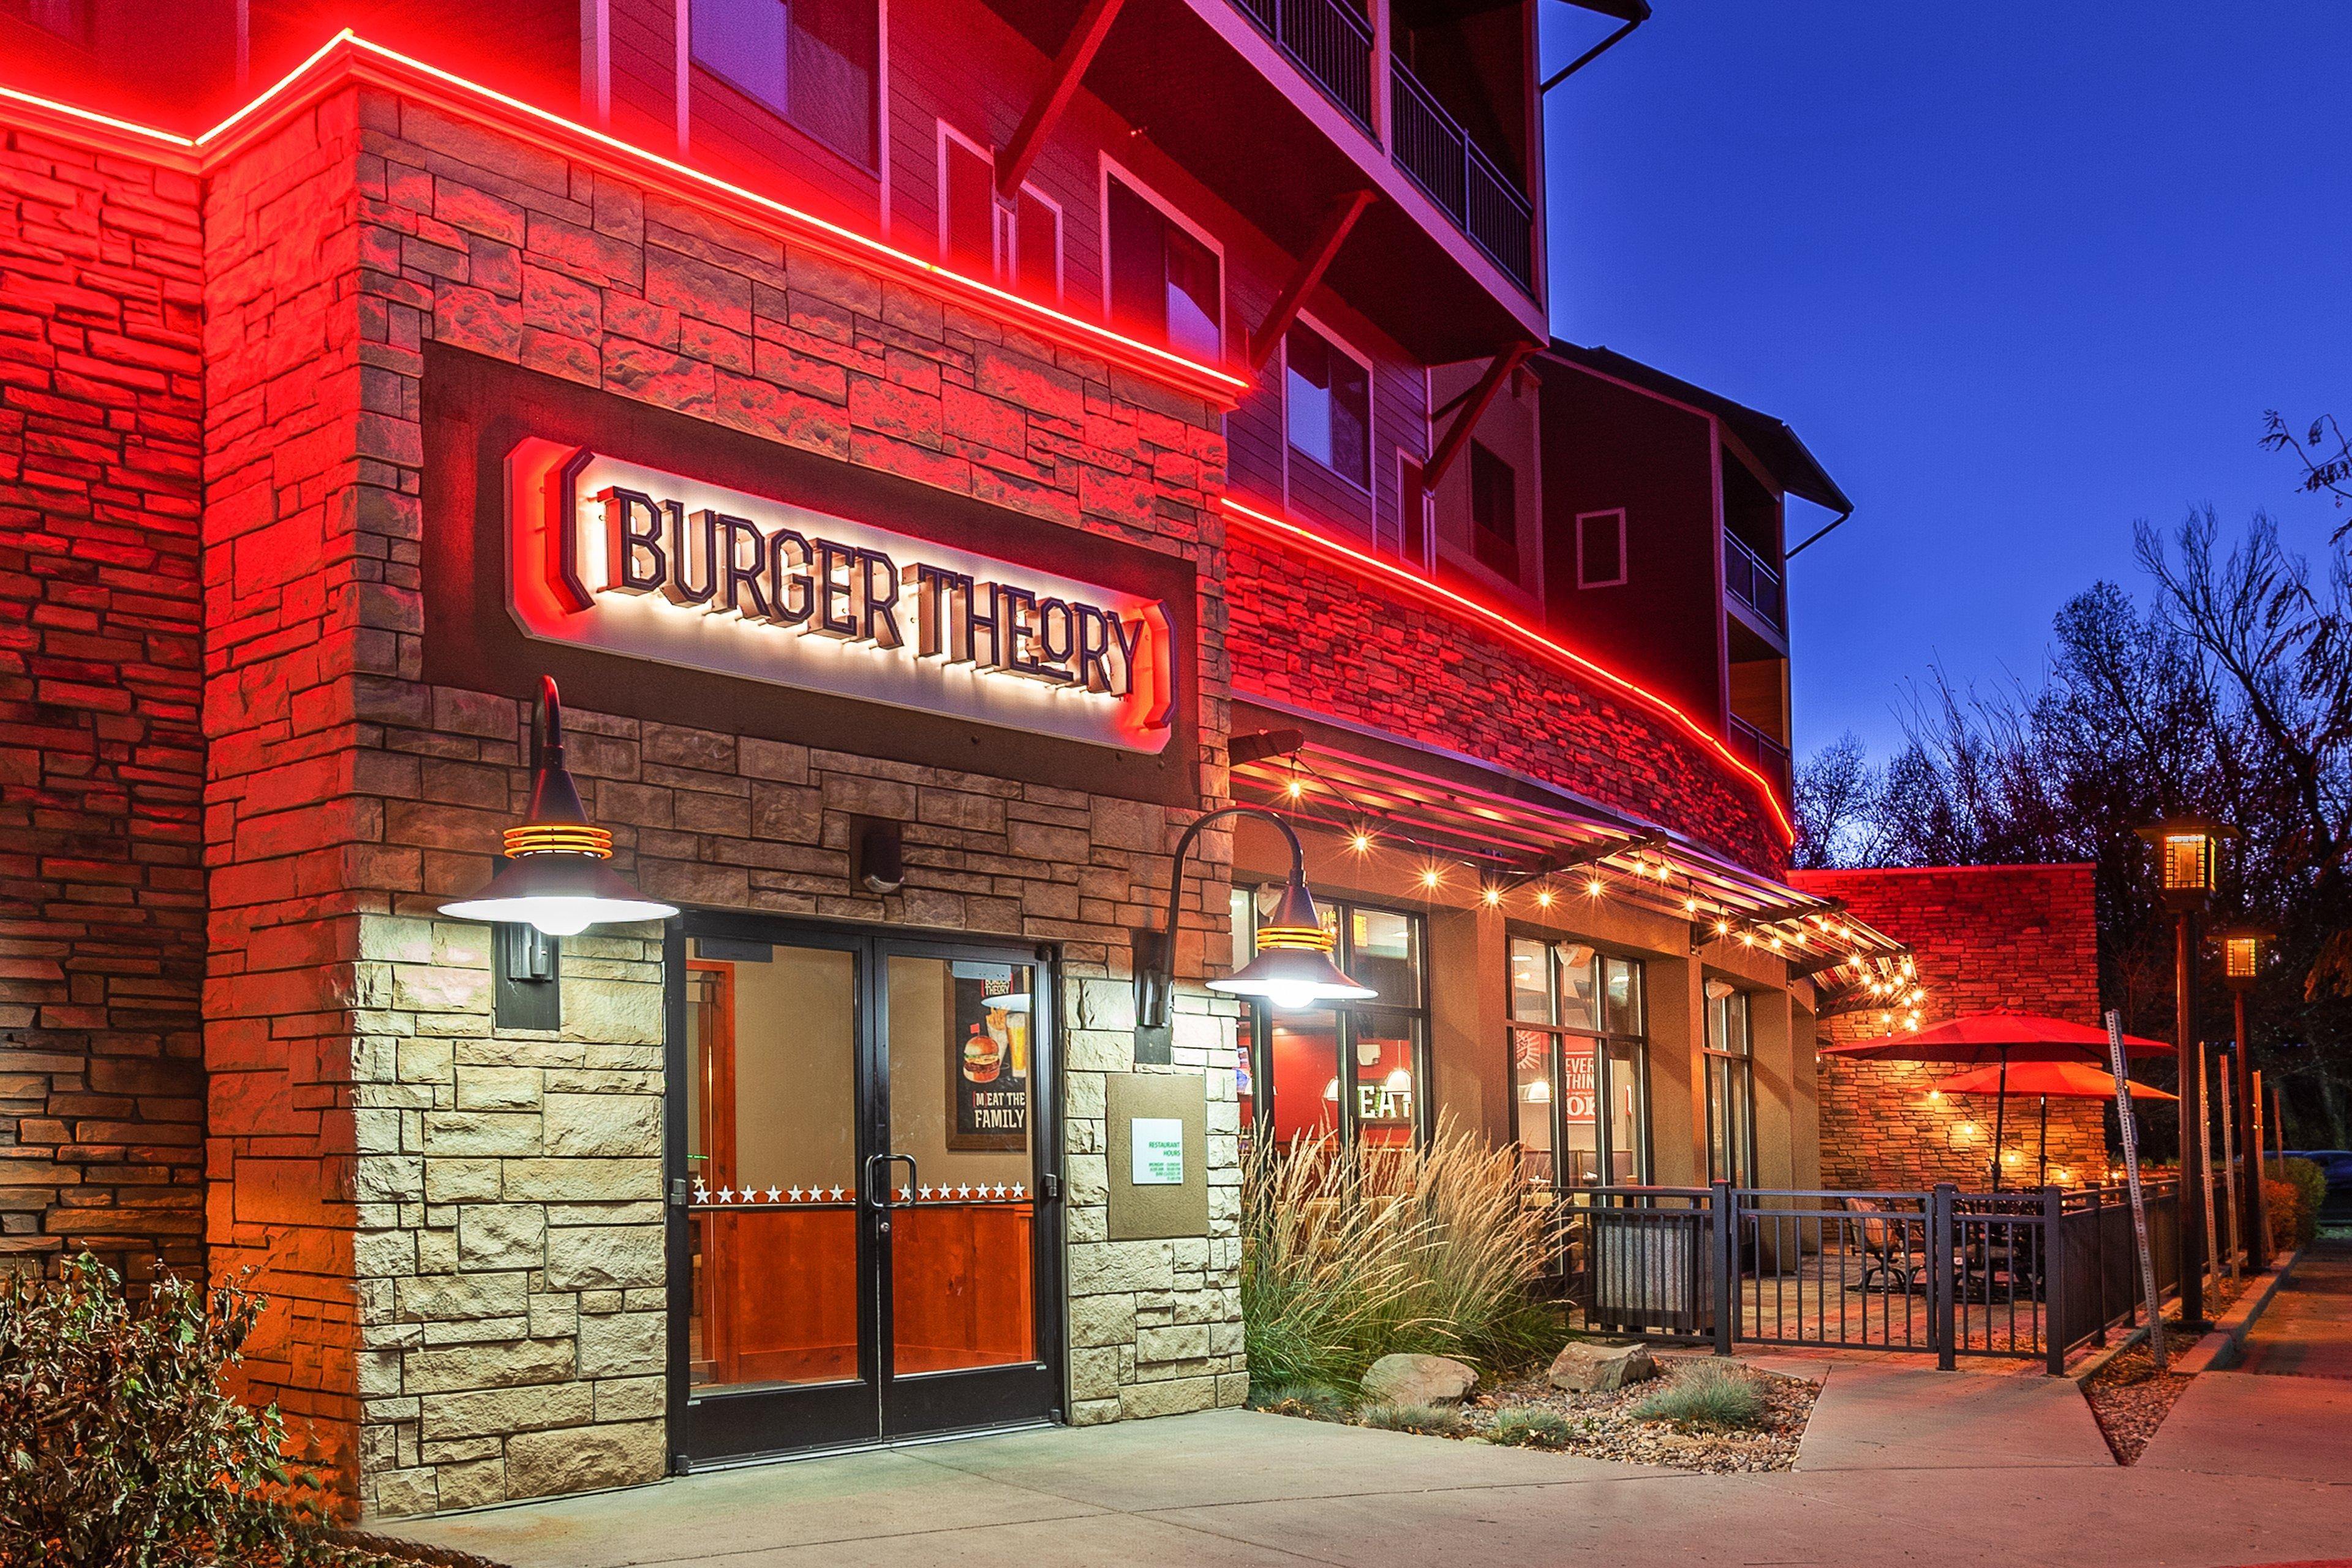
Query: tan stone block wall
point(509, 1243)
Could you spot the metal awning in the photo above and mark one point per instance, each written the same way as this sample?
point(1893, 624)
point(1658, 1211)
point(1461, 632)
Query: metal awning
point(1514, 832)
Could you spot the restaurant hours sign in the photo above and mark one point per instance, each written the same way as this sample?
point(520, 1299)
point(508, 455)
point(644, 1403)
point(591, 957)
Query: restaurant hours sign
point(630, 559)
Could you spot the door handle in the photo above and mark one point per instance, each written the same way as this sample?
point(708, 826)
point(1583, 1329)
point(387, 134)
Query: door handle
point(879, 1196)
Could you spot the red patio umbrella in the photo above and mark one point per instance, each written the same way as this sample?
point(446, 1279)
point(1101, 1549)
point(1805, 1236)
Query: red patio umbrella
point(2049, 1080)
point(1999, 1037)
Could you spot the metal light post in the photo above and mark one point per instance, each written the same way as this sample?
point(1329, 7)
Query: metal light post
point(2188, 869)
point(2243, 947)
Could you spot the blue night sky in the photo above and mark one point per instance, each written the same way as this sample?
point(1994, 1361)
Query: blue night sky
point(2018, 274)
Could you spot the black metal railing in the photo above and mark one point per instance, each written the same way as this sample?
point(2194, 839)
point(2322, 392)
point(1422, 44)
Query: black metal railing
point(1754, 583)
point(1771, 758)
point(1430, 145)
point(1939, 1271)
point(1330, 41)
point(2098, 1277)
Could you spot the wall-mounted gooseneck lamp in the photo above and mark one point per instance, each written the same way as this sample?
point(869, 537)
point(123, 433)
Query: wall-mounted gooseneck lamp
point(1293, 965)
point(555, 882)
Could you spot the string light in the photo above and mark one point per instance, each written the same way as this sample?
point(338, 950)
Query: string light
point(1593, 886)
point(1359, 841)
point(1543, 898)
point(1491, 894)
point(1429, 876)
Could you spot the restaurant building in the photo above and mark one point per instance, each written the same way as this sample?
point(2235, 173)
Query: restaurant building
point(939, 459)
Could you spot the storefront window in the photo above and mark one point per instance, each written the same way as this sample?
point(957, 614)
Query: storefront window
point(1348, 1076)
point(1730, 1087)
point(1579, 1065)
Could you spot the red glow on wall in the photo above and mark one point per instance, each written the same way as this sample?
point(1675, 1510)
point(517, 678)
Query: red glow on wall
point(347, 56)
point(1297, 536)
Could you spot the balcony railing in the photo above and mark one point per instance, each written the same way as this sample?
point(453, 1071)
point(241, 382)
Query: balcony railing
point(1330, 41)
point(1430, 145)
point(1770, 757)
point(1755, 584)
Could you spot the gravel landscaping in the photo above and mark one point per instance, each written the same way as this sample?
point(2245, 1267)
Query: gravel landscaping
point(1605, 1426)
point(2130, 1398)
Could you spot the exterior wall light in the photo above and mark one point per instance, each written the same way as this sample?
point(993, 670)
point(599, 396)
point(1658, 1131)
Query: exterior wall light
point(1293, 965)
point(555, 879)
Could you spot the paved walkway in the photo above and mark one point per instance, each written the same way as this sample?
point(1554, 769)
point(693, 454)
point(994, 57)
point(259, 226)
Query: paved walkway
point(1901, 1464)
point(2286, 1409)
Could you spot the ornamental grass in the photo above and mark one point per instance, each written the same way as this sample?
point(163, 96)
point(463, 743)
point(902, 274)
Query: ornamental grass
point(1346, 1260)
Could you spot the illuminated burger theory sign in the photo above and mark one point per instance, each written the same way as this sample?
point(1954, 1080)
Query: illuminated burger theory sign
point(629, 560)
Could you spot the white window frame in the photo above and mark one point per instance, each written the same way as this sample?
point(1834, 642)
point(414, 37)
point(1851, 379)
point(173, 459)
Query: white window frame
point(1061, 242)
point(1371, 401)
point(1410, 495)
point(995, 209)
point(1622, 564)
point(1110, 166)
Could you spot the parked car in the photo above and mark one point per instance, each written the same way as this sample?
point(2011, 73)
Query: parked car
point(2336, 1164)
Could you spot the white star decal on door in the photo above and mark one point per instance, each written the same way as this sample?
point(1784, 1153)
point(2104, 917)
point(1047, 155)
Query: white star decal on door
point(702, 1194)
point(999, 1189)
point(1016, 1189)
point(725, 1195)
point(773, 1193)
point(836, 1194)
point(963, 1192)
point(926, 1194)
point(796, 1194)
point(907, 1195)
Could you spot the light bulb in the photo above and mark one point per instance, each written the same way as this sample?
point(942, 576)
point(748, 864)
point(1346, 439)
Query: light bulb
point(1289, 998)
point(1399, 1081)
point(561, 916)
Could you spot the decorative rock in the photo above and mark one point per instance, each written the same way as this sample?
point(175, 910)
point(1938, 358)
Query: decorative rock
point(1418, 1380)
point(1592, 1366)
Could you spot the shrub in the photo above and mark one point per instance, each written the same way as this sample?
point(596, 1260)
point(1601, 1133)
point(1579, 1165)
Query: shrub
point(2309, 1180)
point(1426, 1418)
point(2292, 1222)
point(1710, 1395)
point(121, 1447)
point(1313, 1400)
point(1429, 1250)
point(1520, 1428)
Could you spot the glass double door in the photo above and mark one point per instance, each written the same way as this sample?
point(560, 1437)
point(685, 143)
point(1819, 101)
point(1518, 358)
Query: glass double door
point(858, 1246)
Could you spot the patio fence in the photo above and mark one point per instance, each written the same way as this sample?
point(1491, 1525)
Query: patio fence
point(1941, 1272)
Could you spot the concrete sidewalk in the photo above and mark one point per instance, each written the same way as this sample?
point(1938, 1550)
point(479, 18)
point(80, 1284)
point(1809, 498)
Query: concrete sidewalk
point(1904, 1468)
point(2286, 1409)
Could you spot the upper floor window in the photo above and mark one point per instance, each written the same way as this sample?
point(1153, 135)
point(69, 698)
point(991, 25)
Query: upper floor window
point(1494, 512)
point(1328, 393)
point(1601, 549)
point(1164, 282)
point(812, 61)
point(981, 238)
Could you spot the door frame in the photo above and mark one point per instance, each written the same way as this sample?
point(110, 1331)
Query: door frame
point(920, 1405)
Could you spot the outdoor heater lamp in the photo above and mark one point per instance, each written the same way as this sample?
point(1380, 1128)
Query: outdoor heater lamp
point(555, 879)
point(1293, 965)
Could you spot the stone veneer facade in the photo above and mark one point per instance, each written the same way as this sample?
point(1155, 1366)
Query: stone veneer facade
point(2019, 937)
point(461, 1226)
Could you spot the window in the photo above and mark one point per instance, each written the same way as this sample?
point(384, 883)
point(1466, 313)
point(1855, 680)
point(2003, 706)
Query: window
point(1494, 512)
point(1601, 549)
point(1352, 1076)
point(1413, 512)
point(1328, 393)
point(1163, 282)
point(1580, 1066)
point(1036, 246)
point(967, 206)
point(812, 61)
point(1730, 1087)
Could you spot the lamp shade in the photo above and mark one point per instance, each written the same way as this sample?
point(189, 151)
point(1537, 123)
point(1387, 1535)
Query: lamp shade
point(2241, 953)
point(555, 877)
point(1293, 967)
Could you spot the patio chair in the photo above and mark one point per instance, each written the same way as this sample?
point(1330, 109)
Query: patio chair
point(1886, 1255)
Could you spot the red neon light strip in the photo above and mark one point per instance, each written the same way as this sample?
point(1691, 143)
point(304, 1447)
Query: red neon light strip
point(1423, 588)
point(1091, 337)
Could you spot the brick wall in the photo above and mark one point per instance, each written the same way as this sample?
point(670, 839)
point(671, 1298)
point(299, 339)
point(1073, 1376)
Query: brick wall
point(2019, 937)
point(101, 913)
point(1305, 634)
